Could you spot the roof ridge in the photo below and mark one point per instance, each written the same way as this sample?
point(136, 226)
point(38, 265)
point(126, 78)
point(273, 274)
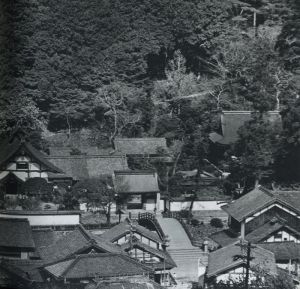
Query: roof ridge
point(134, 261)
point(265, 190)
point(85, 233)
point(72, 264)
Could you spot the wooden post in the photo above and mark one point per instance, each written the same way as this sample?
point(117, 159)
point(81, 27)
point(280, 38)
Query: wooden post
point(248, 265)
point(243, 224)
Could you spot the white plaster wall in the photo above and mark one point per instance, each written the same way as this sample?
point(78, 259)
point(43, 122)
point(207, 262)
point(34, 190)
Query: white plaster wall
point(270, 207)
point(34, 174)
point(235, 275)
point(150, 205)
point(11, 166)
point(3, 174)
point(34, 166)
point(22, 159)
point(197, 206)
point(285, 237)
point(47, 220)
point(44, 175)
point(21, 175)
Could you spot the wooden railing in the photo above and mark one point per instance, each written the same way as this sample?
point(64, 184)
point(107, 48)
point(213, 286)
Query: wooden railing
point(177, 216)
point(152, 218)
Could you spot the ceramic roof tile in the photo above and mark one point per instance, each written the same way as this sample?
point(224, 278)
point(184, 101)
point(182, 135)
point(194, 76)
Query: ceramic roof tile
point(135, 181)
point(121, 229)
point(283, 250)
point(73, 242)
point(225, 259)
point(97, 265)
point(249, 203)
point(164, 255)
point(258, 199)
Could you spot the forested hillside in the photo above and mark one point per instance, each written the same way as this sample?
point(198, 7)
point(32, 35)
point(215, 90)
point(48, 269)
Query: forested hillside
point(128, 68)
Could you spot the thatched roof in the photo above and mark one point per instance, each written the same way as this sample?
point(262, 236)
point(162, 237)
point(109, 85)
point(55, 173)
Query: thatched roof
point(83, 166)
point(140, 146)
point(17, 145)
point(231, 121)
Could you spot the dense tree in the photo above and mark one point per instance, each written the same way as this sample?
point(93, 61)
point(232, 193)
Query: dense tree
point(253, 155)
point(98, 192)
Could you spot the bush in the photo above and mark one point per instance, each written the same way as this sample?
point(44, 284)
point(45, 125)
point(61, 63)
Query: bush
point(216, 222)
point(184, 214)
point(195, 222)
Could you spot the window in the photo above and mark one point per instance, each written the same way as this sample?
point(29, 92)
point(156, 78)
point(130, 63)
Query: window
point(22, 166)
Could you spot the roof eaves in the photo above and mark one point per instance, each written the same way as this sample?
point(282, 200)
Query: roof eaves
point(226, 268)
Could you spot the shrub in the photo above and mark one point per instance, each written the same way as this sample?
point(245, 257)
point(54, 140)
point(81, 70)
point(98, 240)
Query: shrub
point(216, 222)
point(184, 214)
point(195, 222)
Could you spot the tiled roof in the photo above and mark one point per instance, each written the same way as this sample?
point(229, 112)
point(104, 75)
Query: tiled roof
point(13, 145)
point(269, 229)
point(283, 250)
point(224, 237)
point(224, 259)
point(74, 242)
point(231, 121)
point(135, 181)
point(87, 166)
point(97, 265)
point(16, 233)
point(123, 228)
point(290, 198)
point(141, 283)
point(258, 199)
point(27, 269)
point(169, 263)
point(139, 146)
point(249, 203)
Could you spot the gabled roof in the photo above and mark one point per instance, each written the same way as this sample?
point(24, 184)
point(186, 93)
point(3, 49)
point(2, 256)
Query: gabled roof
point(258, 199)
point(140, 146)
point(97, 265)
point(123, 228)
point(224, 237)
point(268, 229)
point(14, 144)
point(75, 242)
point(135, 181)
point(16, 233)
point(140, 283)
point(231, 121)
point(169, 263)
point(26, 269)
point(44, 237)
point(224, 260)
point(88, 166)
point(283, 250)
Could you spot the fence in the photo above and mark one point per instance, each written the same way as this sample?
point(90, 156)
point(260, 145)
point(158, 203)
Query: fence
point(152, 218)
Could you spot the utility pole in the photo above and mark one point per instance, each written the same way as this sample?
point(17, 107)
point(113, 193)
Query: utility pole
point(246, 246)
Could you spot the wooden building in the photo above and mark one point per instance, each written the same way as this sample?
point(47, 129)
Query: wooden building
point(137, 189)
point(224, 266)
point(20, 161)
point(270, 219)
